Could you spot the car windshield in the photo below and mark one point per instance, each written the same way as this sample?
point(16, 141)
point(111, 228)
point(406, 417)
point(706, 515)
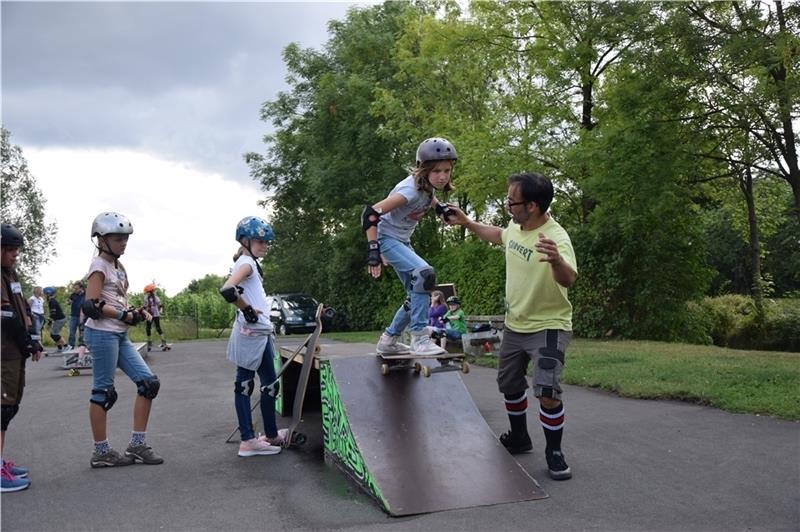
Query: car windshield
point(299, 302)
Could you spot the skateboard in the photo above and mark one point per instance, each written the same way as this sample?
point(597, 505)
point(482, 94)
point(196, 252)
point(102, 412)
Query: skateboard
point(73, 363)
point(447, 362)
point(312, 350)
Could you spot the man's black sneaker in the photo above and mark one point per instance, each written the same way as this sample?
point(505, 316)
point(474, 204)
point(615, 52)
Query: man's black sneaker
point(557, 466)
point(516, 445)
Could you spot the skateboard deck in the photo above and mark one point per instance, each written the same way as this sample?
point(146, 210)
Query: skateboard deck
point(71, 359)
point(312, 350)
point(447, 362)
point(164, 347)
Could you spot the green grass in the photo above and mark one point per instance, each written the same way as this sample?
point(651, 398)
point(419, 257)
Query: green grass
point(754, 382)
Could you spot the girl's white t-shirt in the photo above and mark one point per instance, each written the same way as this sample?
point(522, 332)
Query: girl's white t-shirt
point(248, 341)
point(114, 293)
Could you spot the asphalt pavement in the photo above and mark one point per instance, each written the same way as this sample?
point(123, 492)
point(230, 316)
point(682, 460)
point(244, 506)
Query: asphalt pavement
point(637, 465)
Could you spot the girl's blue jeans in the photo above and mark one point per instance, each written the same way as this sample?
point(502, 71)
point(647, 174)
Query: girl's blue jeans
point(266, 374)
point(405, 260)
point(109, 351)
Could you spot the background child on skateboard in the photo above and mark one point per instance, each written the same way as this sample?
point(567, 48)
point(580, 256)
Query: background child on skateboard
point(455, 321)
point(251, 343)
point(106, 330)
point(152, 304)
point(389, 225)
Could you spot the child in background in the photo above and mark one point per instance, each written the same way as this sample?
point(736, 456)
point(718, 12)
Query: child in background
point(36, 302)
point(436, 312)
point(57, 317)
point(152, 304)
point(455, 320)
point(75, 317)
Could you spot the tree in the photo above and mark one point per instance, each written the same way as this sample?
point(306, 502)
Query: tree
point(22, 205)
point(751, 54)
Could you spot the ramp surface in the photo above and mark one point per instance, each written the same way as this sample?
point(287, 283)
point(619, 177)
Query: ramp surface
point(416, 444)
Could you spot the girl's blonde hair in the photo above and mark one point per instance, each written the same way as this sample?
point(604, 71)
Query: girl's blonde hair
point(421, 173)
point(238, 253)
point(437, 294)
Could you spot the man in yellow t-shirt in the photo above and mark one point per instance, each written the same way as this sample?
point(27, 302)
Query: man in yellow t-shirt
point(540, 267)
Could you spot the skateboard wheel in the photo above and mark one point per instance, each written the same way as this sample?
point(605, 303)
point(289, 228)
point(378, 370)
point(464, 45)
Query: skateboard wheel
point(298, 438)
point(317, 349)
point(73, 372)
point(417, 367)
point(384, 369)
point(426, 371)
point(465, 367)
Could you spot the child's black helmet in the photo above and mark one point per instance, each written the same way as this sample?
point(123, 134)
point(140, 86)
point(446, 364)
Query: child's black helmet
point(453, 300)
point(11, 237)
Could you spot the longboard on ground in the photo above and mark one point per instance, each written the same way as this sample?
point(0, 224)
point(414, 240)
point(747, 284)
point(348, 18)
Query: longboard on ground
point(74, 363)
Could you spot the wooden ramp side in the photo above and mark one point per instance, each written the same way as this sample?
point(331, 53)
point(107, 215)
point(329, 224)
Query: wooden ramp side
point(416, 444)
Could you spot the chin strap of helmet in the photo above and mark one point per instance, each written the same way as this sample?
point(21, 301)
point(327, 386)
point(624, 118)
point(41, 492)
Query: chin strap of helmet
point(101, 250)
point(258, 267)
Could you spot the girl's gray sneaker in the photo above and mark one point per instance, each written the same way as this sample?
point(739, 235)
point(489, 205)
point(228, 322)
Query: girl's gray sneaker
point(389, 345)
point(110, 459)
point(143, 454)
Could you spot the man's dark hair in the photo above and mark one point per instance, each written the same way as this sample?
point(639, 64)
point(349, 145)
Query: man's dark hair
point(534, 188)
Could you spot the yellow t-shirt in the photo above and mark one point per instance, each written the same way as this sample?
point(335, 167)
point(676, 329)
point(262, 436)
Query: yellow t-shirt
point(534, 300)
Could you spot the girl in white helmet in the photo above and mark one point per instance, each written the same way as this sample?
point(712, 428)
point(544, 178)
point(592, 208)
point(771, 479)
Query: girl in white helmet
point(108, 318)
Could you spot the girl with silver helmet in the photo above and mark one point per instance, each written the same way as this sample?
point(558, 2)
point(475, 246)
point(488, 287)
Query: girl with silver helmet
point(389, 225)
point(251, 345)
point(106, 333)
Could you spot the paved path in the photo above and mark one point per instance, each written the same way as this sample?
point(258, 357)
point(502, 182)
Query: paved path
point(638, 465)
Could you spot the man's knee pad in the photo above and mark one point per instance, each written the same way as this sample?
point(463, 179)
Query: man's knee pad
point(239, 387)
point(547, 372)
point(423, 280)
point(110, 397)
point(8, 413)
point(148, 387)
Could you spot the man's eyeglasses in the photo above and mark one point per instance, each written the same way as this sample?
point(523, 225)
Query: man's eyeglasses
point(511, 203)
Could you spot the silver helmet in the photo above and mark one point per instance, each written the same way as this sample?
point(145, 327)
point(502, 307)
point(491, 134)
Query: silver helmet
point(436, 149)
point(109, 223)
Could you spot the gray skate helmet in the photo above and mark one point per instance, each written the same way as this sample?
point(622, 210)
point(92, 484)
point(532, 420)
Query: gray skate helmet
point(436, 149)
point(108, 223)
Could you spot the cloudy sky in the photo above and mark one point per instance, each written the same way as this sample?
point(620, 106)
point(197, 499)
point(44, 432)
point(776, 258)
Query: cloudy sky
point(146, 108)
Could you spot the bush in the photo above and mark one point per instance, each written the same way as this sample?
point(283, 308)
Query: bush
point(733, 321)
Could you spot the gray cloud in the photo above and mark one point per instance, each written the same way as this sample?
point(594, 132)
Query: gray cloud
point(183, 81)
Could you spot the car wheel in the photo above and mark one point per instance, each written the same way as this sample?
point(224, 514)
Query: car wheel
point(282, 330)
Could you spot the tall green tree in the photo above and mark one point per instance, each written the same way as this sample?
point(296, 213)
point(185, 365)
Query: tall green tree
point(22, 204)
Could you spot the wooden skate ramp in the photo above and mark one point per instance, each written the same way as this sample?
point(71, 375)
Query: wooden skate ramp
point(416, 444)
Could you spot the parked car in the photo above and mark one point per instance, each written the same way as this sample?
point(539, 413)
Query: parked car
point(292, 313)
